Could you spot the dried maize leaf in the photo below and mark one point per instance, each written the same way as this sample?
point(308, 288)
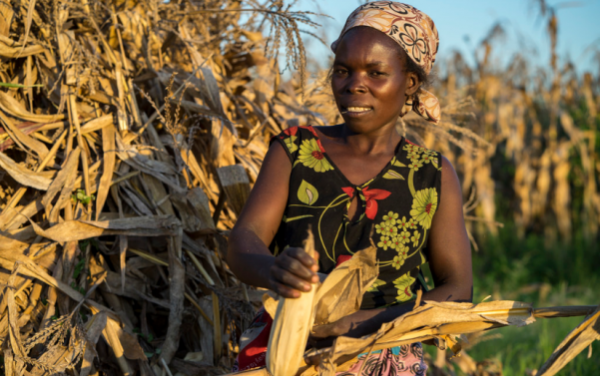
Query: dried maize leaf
point(235, 183)
point(580, 338)
point(176, 298)
point(111, 336)
point(67, 173)
point(66, 182)
point(22, 175)
point(158, 194)
point(139, 226)
point(200, 205)
point(160, 170)
point(428, 317)
point(192, 163)
point(96, 124)
point(132, 288)
point(11, 106)
point(13, 242)
point(222, 145)
point(6, 17)
point(16, 344)
point(13, 52)
point(206, 328)
point(94, 327)
point(568, 311)
point(108, 166)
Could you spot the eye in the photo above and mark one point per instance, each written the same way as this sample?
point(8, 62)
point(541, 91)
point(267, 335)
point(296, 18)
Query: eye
point(378, 73)
point(339, 71)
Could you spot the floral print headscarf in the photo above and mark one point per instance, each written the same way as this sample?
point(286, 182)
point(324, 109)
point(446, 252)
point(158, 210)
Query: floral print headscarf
point(415, 32)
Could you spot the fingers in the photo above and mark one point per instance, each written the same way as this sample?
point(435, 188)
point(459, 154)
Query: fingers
point(307, 260)
point(298, 262)
point(283, 290)
point(293, 272)
point(284, 277)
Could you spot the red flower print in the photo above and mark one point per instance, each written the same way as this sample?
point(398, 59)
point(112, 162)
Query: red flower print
point(342, 259)
point(291, 131)
point(349, 191)
point(371, 197)
point(317, 154)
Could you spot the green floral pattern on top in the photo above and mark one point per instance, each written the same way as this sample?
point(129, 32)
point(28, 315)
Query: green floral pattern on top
point(396, 209)
point(424, 206)
point(312, 155)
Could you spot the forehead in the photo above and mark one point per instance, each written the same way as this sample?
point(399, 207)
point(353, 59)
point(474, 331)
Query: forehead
point(368, 44)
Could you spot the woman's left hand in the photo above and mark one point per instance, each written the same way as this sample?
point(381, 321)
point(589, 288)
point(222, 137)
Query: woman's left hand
point(323, 335)
point(353, 325)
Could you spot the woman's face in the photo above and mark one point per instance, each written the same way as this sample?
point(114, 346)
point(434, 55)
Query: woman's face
point(369, 81)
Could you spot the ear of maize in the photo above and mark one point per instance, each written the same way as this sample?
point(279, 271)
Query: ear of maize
point(291, 326)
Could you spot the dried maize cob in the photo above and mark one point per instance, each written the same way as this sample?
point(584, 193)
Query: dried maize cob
point(291, 326)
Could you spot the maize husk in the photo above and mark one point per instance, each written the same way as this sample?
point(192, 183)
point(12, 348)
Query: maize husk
point(342, 291)
point(291, 326)
point(446, 320)
point(441, 321)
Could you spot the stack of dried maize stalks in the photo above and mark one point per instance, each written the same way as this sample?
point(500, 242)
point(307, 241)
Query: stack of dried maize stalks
point(130, 134)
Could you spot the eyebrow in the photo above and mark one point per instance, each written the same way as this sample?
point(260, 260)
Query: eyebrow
point(374, 64)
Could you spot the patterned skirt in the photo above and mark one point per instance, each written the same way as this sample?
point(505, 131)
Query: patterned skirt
point(406, 360)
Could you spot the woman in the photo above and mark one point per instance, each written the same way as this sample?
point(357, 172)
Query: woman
point(358, 181)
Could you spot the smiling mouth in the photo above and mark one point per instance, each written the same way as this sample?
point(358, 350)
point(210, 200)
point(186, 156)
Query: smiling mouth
point(356, 110)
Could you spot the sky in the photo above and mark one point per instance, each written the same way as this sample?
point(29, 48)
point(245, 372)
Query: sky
point(463, 24)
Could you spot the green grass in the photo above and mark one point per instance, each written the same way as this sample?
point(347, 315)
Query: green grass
point(529, 270)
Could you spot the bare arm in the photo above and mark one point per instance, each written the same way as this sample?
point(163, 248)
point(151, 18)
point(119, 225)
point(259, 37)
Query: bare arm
point(248, 255)
point(449, 250)
point(449, 254)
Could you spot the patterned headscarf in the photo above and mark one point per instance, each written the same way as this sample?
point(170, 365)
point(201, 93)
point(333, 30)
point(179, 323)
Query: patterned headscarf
point(415, 32)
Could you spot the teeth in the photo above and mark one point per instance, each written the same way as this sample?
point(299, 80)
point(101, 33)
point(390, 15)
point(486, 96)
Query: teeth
point(358, 109)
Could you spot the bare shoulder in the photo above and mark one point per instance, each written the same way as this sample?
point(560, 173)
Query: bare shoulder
point(448, 170)
point(265, 206)
point(450, 182)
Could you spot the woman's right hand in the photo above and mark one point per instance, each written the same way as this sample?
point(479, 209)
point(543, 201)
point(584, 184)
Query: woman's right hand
point(293, 272)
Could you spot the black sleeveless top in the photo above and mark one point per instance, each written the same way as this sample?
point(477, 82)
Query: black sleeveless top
point(398, 206)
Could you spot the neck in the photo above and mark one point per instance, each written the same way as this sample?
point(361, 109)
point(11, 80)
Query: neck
point(382, 140)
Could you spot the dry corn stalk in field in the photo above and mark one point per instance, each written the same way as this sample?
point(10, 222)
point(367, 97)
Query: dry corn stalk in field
point(121, 124)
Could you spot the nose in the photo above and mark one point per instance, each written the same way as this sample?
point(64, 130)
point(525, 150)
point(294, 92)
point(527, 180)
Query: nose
point(356, 84)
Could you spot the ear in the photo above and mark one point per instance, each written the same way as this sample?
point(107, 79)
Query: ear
point(412, 83)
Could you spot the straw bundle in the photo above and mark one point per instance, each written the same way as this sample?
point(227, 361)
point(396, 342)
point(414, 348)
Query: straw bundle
point(131, 132)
